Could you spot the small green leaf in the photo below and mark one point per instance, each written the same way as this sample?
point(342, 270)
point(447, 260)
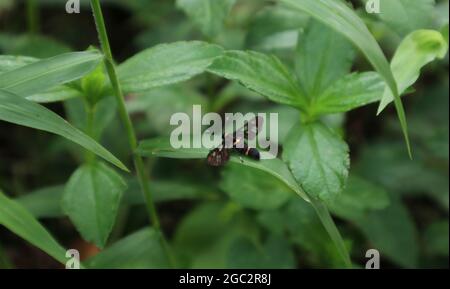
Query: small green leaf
point(161, 147)
point(253, 188)
point(91, 200)
point(323, 56)
point(350, 92)
point(416, 50)
point(262, 73)
point(17, 219)
point(140, 250)
point(338, 16)
point(208, 15)
point(318, 159)
point(42, 75)
point(20, 111)
point(166, 64)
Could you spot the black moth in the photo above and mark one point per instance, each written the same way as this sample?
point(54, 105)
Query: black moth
point(221, 155)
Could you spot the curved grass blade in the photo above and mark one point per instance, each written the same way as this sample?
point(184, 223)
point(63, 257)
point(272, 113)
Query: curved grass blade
point(18, 110)
point(161, 147)
point(344, 20)
point(18, 220)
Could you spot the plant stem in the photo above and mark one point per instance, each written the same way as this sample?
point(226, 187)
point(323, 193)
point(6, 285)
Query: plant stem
point(32, 16)
point(137, 160)
point(330, 227)
point(90, 114)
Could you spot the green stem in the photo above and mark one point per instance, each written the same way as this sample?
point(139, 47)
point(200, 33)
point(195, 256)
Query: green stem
point(137, 160)
point(330, 227)
point(90, 115)
point(32, 16)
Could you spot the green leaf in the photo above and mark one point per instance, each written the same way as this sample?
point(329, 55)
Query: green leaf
point(358, 198)
point(436, 238)
point(350, 92)
point(204, 236)
point(275, 253)
point(42, 75)
point(166, 64)
point(275, 27)
point(323, 56)
point(11, 62)
point(17, 219)
point(416, 50)
point(405, 16)
point(344, 20)
point(253, 188)
point(208, 15)
point(318, 159)
point(262, 73)
point(59, 93)
point(302, 223)
point(20, 111)
point(392, 232)
point(43, 203)
point(91, 200)
point(161, 147)
point(38, 46)
point(140, 250)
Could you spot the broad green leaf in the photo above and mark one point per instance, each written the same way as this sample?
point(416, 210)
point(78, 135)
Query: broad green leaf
point(43, 203)
point(350, 92)
point(42, 75)
point(391, 231)
point(11, 62)
point(405, 16)
point(17, 219)
point(305, 229)
point(91, 200)
point(318, 159)
point(323, 56)
point(20, 111)
point(262, 73)
point(161, 148)
point(253, 188)
point(275, 253)
point(275, 27)
point(416, 50)
point(166, 64)
point(159, 104)
point(140, 250)
point(208, 15)
point(59, 93)
point(359, 197)
point(338, 16)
